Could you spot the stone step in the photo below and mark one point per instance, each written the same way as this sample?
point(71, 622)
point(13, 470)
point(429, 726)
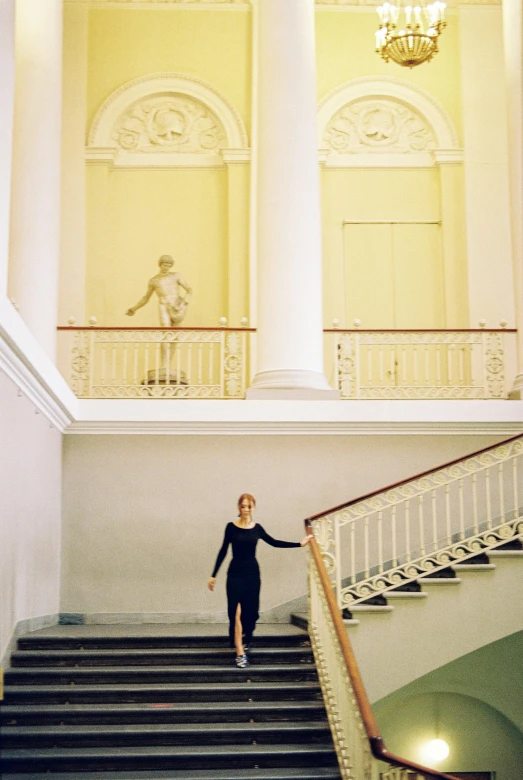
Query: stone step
point(439, 581)
point(143, 642)
point(161, 757)
point(242, 690)
point(281, 773)
point(156, 676)
point(148, 657)
point(36, 737)
point(185, 712)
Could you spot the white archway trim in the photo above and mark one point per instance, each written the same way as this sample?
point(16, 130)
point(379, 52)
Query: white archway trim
point(130, 103)
point(444, 145)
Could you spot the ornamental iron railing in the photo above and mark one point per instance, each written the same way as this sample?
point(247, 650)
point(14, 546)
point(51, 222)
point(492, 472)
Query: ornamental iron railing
point(361, 752)
point(157, 362)
point(182, 363)
point(422, 364)
point(387, 539)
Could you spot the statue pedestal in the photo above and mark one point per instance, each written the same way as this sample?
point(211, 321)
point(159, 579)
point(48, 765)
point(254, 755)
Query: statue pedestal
point(163, 377)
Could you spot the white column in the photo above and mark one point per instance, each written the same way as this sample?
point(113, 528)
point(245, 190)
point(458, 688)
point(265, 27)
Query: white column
point(290, 336)
point(35, 204)
point(7, 97)
point(485, 165)
point(72, 263)
point(513, 40)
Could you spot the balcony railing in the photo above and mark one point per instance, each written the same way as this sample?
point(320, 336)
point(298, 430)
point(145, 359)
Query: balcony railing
point(157, 362)
point(215, 362)
point(423, 364)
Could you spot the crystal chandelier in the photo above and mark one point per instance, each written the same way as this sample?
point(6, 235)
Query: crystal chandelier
point(409, 34)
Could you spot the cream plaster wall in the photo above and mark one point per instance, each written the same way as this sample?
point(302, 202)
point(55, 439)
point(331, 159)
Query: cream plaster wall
point(199, 216)
point(144, 515)
point(30, 508)
point(395, 647)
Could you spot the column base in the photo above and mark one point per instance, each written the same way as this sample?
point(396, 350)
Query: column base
point(291, 385)
point(516, 393)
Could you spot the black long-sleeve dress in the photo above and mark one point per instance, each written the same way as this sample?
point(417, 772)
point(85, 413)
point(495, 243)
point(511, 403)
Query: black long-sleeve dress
point(243, 574)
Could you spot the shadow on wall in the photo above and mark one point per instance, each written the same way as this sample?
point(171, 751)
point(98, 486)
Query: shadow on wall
point(479, 737)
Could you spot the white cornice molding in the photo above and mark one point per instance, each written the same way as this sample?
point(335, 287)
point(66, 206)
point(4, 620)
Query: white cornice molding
point(165, 4)
point(298, 417)
point(23, 360)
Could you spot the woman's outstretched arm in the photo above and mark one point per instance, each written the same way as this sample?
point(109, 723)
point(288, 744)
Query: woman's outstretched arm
point(278, 542)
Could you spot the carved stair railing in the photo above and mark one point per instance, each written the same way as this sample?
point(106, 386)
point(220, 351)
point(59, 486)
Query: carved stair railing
point(421, 526)
point(361, 752)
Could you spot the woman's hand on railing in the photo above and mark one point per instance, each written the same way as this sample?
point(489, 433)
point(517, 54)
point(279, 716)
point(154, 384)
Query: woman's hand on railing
point(211, 583)
point(306, 540)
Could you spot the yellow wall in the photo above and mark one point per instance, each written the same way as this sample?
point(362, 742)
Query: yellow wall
point(345, 51)
point(136, 215)
point(201, 216)
point(402, 276)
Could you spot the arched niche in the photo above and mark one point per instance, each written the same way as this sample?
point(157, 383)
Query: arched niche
point(167, 120)
point(384, 122)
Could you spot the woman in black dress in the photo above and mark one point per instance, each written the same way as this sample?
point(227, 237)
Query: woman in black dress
point(243, 575)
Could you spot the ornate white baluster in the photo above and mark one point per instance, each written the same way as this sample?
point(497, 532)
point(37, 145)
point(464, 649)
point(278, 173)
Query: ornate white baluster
point(434, 520)
point(337, 557)
point(515, 481)
point(438, 365)
point(157, 362)
point(461, 356)
point(415, 365)
point(450, 356)
point(501, 485)
point(394, 539)
point(200, 363)
point(113, 364)
point(124, 369)
point(380, 541)
point(427, 366)
point(404, 364)
point(366, 543)
point(447, 512)
point(488, 498)
point(103, 367)
point(189, 363)
point(421, 524)
point(178, 354)
point(381, 375)
point(146, 361)
point(352, 552)
point(407, 530)
point(168, 363)
point(475, 502)
point(461, 510)
point(135, 364)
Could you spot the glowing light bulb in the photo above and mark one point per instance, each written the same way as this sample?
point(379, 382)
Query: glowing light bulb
point(435, 751)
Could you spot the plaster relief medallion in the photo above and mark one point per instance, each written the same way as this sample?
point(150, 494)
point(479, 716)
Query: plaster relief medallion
point(378, 126)
point(169, 123)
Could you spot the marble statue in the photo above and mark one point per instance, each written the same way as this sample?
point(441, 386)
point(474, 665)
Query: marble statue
point(166, 285)
point(171, 308)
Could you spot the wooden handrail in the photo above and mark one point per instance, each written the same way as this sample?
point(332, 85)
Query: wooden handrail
point(366, 496)
point(131, 328)
point(377, 746)
point(420, 330)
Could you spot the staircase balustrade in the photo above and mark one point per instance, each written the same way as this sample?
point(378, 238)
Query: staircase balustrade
point(421, 526)
point(361, 752)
